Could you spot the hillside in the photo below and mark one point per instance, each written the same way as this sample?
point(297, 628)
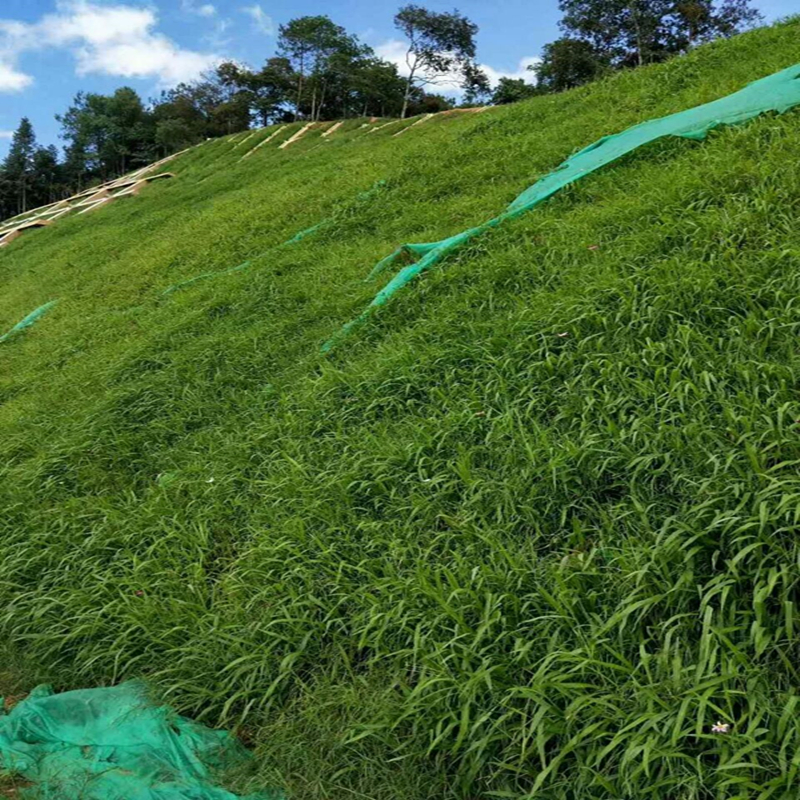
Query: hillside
point(527, 532)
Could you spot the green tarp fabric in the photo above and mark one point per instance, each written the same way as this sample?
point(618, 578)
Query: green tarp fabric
point(28, 321)
point(779, 93)
point(114, 744)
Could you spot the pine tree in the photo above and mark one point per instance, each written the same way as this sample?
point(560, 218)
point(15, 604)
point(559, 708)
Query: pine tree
point(18, 164)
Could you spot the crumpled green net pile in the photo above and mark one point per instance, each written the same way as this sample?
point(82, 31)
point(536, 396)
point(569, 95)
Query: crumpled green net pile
point(778, 92)
point(114, 744)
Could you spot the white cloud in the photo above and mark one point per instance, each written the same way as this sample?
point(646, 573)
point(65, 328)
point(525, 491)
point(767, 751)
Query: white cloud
point(262, 21)
point(217, 38)
point(117, 40)
point(12, 80)
point(202, 9)
point(395, 50)
point(6, 134)
point(86, 23)
point(160, 58)
point(522, 71)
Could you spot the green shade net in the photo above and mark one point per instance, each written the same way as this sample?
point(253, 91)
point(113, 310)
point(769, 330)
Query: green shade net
point(779, 93)
point(114, 744)
point(28, 321)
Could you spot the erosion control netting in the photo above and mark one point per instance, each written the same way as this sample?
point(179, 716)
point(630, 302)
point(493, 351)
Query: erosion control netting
point(363, 197)
point(114, 744)
point(28, 321)
point(776, 93)
point(779, 93)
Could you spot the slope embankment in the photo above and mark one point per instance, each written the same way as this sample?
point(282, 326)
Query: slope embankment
point(528, 532)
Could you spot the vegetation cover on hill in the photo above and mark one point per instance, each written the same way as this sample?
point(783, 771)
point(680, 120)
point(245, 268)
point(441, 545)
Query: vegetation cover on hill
point(530, 533)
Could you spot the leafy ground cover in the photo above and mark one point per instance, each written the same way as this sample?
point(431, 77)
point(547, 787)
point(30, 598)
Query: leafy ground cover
point(529, 533)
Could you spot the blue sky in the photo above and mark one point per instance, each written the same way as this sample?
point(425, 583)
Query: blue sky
point(51, 49)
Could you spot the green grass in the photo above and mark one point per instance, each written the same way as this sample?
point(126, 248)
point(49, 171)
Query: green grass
point(527, 534)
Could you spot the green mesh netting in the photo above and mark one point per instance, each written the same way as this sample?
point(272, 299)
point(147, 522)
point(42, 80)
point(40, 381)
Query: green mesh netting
point(28, 321)
point(778, 92)
point(114, 744)
point(205, 275)
point(298, 237)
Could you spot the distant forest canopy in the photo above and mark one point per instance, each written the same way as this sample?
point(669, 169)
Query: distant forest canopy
point(322, 72)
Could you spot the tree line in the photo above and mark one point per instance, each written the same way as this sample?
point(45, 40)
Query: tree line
point(600, 36)
point(322, 72)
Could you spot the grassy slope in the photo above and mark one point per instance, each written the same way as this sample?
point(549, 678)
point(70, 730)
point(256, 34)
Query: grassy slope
point(464, 556)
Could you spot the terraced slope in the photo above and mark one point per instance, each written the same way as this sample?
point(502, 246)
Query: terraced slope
point(528, 533)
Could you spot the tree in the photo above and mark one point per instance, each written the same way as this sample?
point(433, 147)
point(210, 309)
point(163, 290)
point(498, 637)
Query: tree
point(129, 131)
point(512, 90)
point(74, 167)
point(341, 79)
point(30, 175)
point(107, 134)
point(423, 103)
point(309, 43)
point(477, 88)
point(230, 116)
point(205, 108)
point(173, 134)
point(438, 44)
point(18, 165)
point(179, 122)
point(636, 32)
point(567, 63)
point(8, 205)
point(621, 31)
point(700, 20)
point(377, 89)
point(47, 179)
point(334, 74)
point(266, 91)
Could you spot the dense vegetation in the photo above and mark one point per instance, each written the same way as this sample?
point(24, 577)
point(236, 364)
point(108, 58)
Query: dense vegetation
point(600, 35)
point(322, 72)
point(529, 533)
